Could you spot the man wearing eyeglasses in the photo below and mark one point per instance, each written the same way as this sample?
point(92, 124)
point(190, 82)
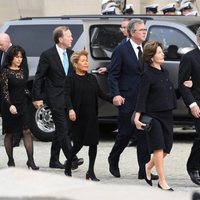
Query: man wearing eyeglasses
point(124, 77)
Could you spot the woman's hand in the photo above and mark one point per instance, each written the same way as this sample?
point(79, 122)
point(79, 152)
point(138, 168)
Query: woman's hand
point(139, 125)
point(188, 83)
point(72, 115)
point(13, 110)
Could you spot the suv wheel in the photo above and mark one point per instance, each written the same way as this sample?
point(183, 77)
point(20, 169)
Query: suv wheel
point(42, 125)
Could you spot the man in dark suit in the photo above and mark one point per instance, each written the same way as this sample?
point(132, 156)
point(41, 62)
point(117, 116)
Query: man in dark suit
point(189, 69)
point(52, 69)
point(124, 77)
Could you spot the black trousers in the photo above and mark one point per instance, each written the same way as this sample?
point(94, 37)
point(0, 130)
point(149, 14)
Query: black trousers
point(193, 162)
point(125, 132)
point(61, 138)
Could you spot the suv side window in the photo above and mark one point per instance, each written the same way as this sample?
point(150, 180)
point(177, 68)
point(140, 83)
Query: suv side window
point(103, 40)
point(37, 38)
point(172, 39)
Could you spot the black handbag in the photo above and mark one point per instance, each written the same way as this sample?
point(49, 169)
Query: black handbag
point(145, 119)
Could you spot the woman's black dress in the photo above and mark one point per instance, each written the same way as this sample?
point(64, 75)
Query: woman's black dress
point(82, 94)
point(14, 92)
point(157, 98)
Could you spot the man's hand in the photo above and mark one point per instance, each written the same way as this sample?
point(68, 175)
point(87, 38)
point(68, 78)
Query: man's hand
point(72, 115)
point(188, 83)
point(38, 104)
point(102, 70)
point(118, 100)
point(13, 109)
point(195, 111)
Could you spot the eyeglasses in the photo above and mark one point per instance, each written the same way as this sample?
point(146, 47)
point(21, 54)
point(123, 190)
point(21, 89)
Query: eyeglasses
point(141, 30)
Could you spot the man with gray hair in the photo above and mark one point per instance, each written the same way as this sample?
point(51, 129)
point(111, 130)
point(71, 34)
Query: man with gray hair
point(5, 43)
point(189, 69)
point(124, 77)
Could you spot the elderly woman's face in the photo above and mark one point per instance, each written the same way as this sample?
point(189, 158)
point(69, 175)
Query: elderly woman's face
point(159, 56)
point(82, 65)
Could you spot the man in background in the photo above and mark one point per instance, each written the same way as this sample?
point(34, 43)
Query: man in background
point(169, 9)
point(151, 9)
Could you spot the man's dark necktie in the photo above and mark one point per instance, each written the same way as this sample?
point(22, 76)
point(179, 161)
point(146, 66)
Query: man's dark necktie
point(140, 54)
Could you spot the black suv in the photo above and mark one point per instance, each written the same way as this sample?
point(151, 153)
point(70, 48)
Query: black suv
point(100, 35)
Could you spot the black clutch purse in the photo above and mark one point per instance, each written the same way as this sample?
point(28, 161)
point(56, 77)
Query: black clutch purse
point(145, 119)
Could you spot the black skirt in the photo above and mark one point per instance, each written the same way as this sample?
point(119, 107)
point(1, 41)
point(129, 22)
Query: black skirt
point(161, 133)
point(15, 123)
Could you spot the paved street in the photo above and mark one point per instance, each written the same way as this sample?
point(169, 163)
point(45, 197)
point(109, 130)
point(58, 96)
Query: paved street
point(175, 168)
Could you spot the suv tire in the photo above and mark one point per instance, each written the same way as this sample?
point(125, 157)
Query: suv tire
point(41, 124)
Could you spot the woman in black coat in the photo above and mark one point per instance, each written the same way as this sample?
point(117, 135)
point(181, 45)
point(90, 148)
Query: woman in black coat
point(157, 99)
point(82, 92)
point(15, 96)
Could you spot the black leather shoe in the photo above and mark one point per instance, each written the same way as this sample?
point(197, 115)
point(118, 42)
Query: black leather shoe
point(195, 176)
point(56, 164)
point(114, 170)
point(153, 177)
point(77, 163)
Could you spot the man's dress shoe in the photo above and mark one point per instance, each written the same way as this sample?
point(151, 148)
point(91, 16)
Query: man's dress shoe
point(114, 169)
point(195, 176)
point(76, 163)
point(56, 164)
point(153, 177)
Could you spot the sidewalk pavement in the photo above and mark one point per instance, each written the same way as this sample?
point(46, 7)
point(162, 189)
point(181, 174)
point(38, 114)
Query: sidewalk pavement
point(26, 184)
point(21, 183)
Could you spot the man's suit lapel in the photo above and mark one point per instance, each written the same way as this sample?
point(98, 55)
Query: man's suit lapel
point(132, 53)
point(56, 58)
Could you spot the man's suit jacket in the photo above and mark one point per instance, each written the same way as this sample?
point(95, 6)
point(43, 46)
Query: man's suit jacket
point(190, 67)
point(51, 72)
point(1, 53)
point(124, 75)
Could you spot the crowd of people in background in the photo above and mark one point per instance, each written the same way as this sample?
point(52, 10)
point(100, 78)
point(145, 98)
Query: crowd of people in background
point(185, 8)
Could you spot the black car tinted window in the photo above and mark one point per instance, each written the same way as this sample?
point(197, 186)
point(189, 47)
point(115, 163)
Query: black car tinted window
point(103, 40)
point(172, 39)
point(37, 38)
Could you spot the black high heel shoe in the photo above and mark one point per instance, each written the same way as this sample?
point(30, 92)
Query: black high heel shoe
point(31, 164)
point(147, 180)
point(170, 189)
point(91, 177)
point(11, 163)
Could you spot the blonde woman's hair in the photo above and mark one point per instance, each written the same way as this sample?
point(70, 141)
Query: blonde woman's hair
point(76, 56)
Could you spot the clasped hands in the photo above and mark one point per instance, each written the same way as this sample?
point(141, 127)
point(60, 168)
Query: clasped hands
point(118, 100)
